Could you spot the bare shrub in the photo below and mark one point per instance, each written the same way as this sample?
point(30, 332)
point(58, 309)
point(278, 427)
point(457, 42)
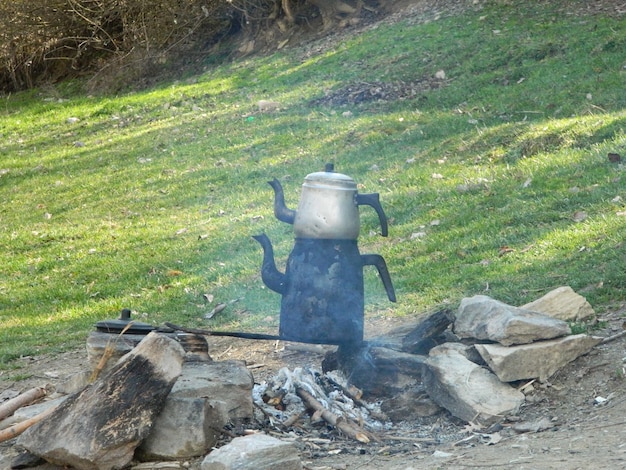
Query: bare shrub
point(48, 40)
point(122, 42)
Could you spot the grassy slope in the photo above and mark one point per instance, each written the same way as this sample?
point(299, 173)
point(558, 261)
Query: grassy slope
point(148, 201)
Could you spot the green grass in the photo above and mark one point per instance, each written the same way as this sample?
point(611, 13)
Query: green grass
point(150, 199)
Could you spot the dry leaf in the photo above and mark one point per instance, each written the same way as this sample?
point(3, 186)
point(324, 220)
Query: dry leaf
point(504, 250)
point(208, 297)
point(174, 272)
point(579, 216)
point(218, 308)
point(493, 438)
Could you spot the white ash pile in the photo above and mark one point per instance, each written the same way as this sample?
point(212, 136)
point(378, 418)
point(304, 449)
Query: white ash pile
point(285, 398)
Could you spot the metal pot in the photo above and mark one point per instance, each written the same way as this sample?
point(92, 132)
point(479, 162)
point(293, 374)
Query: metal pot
point(328, 207)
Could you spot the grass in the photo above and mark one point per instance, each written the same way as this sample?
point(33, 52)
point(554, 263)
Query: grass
point(497, 182)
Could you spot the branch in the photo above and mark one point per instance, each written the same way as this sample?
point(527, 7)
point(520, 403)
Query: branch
point(347, 427)
point(26, 398)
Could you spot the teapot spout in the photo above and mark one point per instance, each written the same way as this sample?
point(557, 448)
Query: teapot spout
point(271, 276)
point(281, 211)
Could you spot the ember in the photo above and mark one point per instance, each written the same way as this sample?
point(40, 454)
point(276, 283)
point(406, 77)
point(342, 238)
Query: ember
point(285, 398)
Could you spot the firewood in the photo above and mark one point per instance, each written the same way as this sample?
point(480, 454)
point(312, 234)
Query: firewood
point(19, 428)
point(422, 338)
point(347, 427)
point(375, 370)
point(9, 407)
point(107, 420)
point(356, 398)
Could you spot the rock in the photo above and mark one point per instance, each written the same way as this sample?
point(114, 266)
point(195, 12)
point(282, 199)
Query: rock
point(482, 317)
point(74, 383)
point(467, 390)
point(376, 370)
point(97, 343)
point(254, 452)
point(563, 303)
point(205, 397)
point(268, 105)
point(27, 412)
point(409, 405)
point(537, 360)
point(538, 425)
point(100, 427)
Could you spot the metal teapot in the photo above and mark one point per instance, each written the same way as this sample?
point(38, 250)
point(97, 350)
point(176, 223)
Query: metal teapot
point(322, 289)
point(328, 207)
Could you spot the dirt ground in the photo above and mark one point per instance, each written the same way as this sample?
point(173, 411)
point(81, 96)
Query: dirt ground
point(582, 408)
point(581, 413)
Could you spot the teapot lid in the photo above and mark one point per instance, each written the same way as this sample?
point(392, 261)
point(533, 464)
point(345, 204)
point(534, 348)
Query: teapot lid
point(329, 179)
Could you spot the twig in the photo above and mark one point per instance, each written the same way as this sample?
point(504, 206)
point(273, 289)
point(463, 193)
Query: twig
point(347, 392)
point(347, 427)
point(22, 426)
point(106, 355)
point(424, 440)
point(600, 426)
point(614, 337)
point(26, 398)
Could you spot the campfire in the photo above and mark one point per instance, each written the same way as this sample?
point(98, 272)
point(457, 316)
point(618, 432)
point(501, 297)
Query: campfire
point(155, 393)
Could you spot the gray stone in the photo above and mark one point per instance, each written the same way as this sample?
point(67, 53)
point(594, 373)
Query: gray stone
point(254, 452)
point(468, 391)
point(100, 427)
point(205, 397)
point(537, 360)
point(484, 318)
point(75, 382)
point(30, 411)
point(563, 303)
point(409, 405)
point(119, 345)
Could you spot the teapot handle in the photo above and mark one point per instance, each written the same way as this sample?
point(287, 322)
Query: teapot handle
point(379, 262)
point(374, 201)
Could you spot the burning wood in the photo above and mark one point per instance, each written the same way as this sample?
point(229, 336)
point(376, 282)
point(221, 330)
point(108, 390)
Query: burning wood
point(349, 428)
point(290, 393)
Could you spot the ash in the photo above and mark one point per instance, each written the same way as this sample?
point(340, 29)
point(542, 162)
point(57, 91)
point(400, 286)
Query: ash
point(278, 401)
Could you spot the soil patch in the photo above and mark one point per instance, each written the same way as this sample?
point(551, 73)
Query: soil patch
point(574, 420)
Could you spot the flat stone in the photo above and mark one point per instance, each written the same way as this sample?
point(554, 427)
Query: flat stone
point(254, 452)
point(205, 397)
point(469, 391)
point(30, 411)
point(483, 318)
point(563, 303)
point(537, 360)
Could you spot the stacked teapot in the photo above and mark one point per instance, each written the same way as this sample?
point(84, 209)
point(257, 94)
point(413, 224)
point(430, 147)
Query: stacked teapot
point(322, 287)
